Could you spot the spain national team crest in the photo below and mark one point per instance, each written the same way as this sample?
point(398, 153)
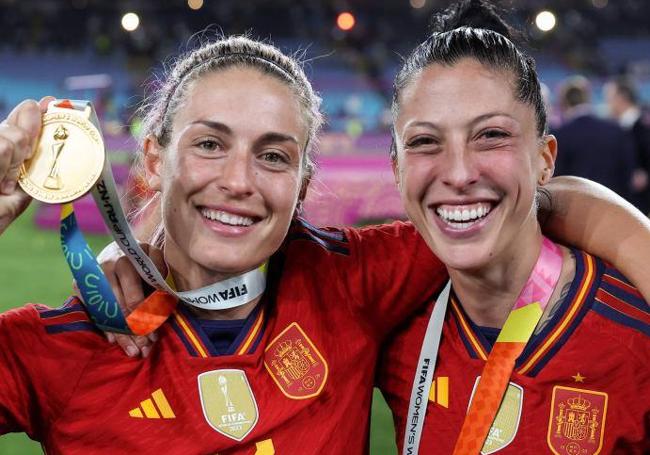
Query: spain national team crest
point(295, 364)
point(577, 421)
point(228, 402)
point(506, 422)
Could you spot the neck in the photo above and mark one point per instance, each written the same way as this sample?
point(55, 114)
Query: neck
point(489, 293)
point(240, 312)
point(195, 277)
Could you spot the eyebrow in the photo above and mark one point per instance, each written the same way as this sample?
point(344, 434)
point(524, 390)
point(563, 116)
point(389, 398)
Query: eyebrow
point(264, 139)
point(472, 122)
point(214, 125)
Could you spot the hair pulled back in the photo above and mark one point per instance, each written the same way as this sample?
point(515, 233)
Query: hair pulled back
point(473, 29)
point(161, 107)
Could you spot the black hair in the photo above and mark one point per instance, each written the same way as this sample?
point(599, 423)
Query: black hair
point(474, 29)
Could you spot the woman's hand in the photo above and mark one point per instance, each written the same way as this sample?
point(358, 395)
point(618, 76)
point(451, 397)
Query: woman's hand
point(129, 290)
point(18, 138)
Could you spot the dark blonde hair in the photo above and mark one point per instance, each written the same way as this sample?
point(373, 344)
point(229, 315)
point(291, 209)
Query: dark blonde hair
point(160, 107)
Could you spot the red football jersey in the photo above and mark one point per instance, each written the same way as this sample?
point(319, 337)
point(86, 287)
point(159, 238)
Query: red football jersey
point(581, 383)
point(298, 378)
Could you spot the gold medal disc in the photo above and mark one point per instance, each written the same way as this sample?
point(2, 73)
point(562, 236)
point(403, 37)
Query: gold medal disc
point(68, 160)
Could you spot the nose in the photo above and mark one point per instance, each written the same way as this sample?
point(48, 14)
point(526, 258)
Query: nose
point(237, 174)
point(460, 170)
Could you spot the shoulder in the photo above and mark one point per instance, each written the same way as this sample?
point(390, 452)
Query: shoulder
point(344, 241)
point(620, 303)
point(40, 321)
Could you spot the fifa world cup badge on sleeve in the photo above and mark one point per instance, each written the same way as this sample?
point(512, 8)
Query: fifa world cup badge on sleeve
point(68, 160)
point(295, 364)
point(577, 421)
point(228, 402)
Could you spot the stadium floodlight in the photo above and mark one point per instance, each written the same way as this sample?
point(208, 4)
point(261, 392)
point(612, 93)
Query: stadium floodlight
point(545, 21)
point(195, 4)
point(130, 22)
point(345, 21)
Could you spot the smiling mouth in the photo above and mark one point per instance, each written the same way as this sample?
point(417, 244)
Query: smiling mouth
point(463, 216)
point(226, 218)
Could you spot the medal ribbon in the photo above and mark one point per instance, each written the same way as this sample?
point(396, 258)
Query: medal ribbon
point(93, 284)
point(510, 343)
point(512, 339)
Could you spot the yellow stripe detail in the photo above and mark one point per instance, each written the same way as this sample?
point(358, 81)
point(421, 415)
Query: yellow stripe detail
point(520, 324)
point(468, 331)
point(149, 409)
point(190, 335)
point(137, 413)
point(66, 210)
point(576, 304)
point(442, 391)
point(253, 334)
point(163, 404)
point(265, 447)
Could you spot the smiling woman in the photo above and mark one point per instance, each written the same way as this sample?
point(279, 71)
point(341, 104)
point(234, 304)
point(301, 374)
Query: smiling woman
point(543, 342)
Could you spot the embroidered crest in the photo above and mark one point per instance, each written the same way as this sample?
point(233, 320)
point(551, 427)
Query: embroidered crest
point(577, 421)
point(228, 402)
point(294, 363)
point(506, 422)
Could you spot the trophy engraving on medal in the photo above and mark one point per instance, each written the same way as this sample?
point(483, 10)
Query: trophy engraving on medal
point(223, 385)
point(53, 181)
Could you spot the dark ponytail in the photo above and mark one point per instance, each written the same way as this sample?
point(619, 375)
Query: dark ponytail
point(473, 29)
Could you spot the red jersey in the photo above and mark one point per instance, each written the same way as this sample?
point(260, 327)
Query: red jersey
point(298, 378)
point(581, 383)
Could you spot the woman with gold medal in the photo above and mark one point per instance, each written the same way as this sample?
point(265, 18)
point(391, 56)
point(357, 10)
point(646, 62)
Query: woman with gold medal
point(290, 371)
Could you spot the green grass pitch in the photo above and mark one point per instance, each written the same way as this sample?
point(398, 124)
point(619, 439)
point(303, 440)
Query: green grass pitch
point(32, 269)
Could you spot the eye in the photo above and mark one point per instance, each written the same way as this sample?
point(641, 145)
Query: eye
point(493, 134)
point(274, 158)
point(420, 141)
point(208, 145)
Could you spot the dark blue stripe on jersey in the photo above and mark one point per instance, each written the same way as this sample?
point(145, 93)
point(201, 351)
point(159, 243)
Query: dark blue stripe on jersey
point(622, 294)
point(587, 304)
point(72, 327)
point(324, 243)
point(46, 314)
point(181, 335)
point(337, 236)
point(616, 316)
point(205, 340)
point(536, 340)
point(478, 333)
point(245, 330)
point(468, 345)
point(258, 338)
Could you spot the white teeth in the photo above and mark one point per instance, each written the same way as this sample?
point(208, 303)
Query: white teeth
point(463, 217)
point(226, 218)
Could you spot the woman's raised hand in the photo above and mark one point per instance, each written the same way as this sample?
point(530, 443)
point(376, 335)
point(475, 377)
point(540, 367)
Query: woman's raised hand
point(18, 138)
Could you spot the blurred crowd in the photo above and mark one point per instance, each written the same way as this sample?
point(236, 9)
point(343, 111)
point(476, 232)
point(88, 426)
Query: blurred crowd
point(613, 151)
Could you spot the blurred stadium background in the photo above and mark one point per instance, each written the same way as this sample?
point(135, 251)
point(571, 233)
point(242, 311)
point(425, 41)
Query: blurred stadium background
point(106, 51)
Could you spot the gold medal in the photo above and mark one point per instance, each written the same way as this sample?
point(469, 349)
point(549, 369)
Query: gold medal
point(68, 160)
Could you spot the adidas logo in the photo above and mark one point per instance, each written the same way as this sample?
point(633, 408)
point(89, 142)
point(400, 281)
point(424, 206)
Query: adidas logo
point(155, 407)
point(439, 392)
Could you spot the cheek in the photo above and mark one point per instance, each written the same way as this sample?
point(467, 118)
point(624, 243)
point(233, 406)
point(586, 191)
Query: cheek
point(279, 190)
point(417, 174)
